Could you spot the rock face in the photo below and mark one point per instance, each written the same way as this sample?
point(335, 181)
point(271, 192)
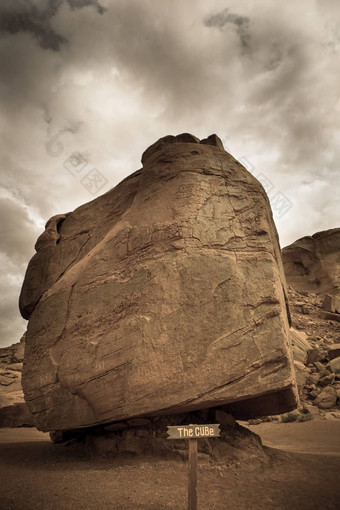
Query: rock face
point(165, 295)
point(13, 409)
point(312, 264)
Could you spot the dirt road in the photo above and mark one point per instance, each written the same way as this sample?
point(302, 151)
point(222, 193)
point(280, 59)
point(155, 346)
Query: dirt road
point(36, 474)
point(316, 436)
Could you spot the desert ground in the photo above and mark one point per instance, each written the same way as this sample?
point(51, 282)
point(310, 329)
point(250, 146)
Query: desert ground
point(302, 473)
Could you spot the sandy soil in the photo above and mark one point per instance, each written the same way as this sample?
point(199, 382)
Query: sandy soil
point(37, 474)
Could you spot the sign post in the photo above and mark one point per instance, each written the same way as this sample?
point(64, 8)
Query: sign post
point(192, 475)
point(192, 433)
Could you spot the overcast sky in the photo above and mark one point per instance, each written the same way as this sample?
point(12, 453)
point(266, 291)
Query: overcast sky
point(89, 84)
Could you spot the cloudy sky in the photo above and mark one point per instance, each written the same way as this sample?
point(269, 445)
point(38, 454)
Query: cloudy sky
point(86, 86)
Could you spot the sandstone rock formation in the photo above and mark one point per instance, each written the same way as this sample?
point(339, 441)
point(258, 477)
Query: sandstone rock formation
point(13, 409)
point(164, 295)
point(312, 264)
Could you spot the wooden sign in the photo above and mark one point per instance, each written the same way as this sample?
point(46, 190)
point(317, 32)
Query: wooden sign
point(193, 431)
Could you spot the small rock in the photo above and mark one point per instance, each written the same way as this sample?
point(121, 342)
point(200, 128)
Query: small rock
point(255, 422)
point(327, 398)
point(313, 379)
point(334, 351)
point(319, 366)
point(330, 316)
point(57, 436)
point(327, 379)
point(334, 365)
point(271, 418)
point(332, 416)
point(314, 393)
point(311, 387)
point(314, 410)
point(63, 436)
point(224, 418)
point(312, 356)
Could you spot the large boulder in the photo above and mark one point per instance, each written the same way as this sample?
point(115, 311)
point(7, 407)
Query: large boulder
point(165, 295)
point(331, 303)
point(334, 365)
point(326, 398)
point(334, 350)
point(312, 264)
point(13, 409)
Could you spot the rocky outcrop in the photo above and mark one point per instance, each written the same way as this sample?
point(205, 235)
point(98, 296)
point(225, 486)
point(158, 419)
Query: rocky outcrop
point(13, 409)
point(315, 354)
point(165, 295)
point(312, 264)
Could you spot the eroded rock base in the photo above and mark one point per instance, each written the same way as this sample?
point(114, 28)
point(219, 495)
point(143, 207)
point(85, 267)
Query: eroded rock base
point(148, 437)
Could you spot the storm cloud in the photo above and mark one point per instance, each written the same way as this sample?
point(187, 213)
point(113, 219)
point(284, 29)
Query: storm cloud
point(91, 84)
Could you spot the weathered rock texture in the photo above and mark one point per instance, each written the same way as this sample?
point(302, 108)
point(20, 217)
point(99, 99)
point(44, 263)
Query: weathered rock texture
point(13, 409)
point(164, 295)
point(312, 264)
point(236, 444)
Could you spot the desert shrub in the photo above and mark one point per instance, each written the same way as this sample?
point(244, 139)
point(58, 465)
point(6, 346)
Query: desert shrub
point(305, 417)
point(288, 417)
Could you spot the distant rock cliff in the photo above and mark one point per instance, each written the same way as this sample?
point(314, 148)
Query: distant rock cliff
point(165, 295)
point(312, 263)
point(13, 410)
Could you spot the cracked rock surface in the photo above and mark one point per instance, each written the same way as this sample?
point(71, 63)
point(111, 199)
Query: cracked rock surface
point(165, 295)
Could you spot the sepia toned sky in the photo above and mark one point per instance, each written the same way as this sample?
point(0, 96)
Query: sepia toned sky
point(86, 86)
